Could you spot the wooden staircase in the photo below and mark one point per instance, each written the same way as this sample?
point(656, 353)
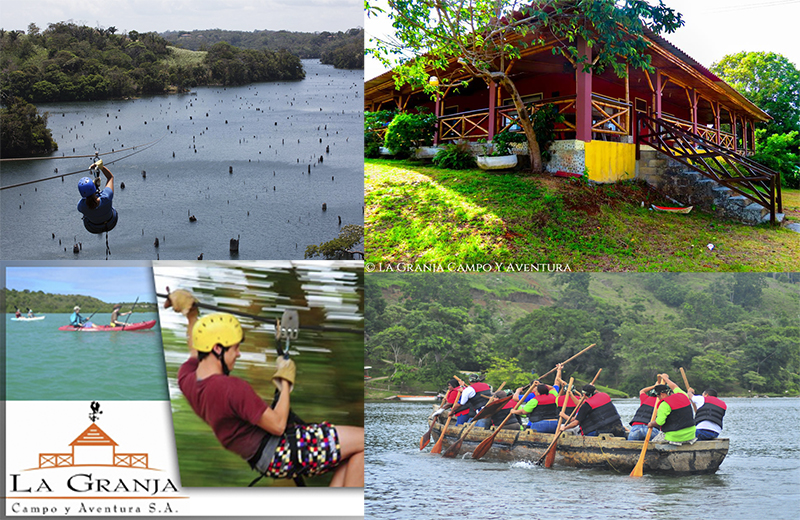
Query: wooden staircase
point(722, 180)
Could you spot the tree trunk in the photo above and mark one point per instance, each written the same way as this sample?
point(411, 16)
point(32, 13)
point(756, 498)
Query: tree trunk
point(527, 125)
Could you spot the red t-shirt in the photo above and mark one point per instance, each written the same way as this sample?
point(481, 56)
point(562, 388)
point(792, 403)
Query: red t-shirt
point(228, 404)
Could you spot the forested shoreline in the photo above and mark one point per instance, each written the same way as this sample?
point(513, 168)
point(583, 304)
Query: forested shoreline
point(343, 50)
point(735, 332)
point(48, 303)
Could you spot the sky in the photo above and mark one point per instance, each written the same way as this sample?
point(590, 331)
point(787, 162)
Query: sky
point(186, 15)
point(713, 29)
point(109, 284)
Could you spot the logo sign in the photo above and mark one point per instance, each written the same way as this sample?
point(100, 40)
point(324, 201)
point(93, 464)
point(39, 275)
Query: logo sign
point(60, 463)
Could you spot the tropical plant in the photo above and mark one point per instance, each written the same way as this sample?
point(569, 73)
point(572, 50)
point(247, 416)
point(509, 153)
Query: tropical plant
point(409, 131)
point(455, 156)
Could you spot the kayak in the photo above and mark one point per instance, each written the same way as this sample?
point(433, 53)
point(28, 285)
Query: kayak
point(602, 452)
point(672, 210)
point(25, 318)
point(142, 325)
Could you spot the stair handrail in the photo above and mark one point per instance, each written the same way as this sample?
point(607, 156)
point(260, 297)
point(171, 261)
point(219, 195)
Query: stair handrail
point(763, 176)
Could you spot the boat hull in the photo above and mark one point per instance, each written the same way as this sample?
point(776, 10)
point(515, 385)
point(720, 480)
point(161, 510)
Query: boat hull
point(35, 318)
point(143, 325)
point(604, 451)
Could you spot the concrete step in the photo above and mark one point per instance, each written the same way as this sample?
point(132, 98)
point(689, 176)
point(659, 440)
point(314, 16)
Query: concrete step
point(739, 200)
point(721, 192)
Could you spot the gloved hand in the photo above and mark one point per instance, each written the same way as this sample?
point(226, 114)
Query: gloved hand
point(286, 370)
point(98, 164)
point(181, 300)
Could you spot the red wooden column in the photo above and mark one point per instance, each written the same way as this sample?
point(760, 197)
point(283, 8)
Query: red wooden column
point(733, 130)
point(583, 91)
point(437, 110)
point(694, 111)
point(492, 109)
point(658, 93)
point(744, 135)
point(717, 121)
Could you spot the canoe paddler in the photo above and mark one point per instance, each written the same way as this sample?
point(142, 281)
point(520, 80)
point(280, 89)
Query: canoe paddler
point(78, 321)
point(96, 204)
point(245, 424)
point(116, 314)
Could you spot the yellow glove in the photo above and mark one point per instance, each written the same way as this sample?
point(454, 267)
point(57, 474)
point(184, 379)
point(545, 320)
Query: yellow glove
point(98, 164)
point(181, 300)
point(286, 370)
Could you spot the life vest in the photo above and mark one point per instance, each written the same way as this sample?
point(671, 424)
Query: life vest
point(545, 409)
point(451, 398)
point(602, 416)
point(500, 415)
point(482, 394)
point(681, 415)
point(645, 411)
point(570, 404)
point(713, 410)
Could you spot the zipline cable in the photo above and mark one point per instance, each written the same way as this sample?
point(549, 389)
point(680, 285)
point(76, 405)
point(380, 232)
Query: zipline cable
point(73, 156)
point(143, 148)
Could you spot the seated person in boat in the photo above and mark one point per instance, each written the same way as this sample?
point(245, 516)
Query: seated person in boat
point(513, 422)
point(245, 424)
point(674, 415)
point(17, 314)
point(96, 205)
point(78, 321)
point(647, 400)
point(710, 411)
point(450, 397)
point(473, 398)
point(572, 402)
point(116, 314)
point(596, 415)
point(30, 313)
point(540, 408)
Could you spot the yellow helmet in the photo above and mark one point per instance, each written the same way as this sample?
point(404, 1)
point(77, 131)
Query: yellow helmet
point(219, 328)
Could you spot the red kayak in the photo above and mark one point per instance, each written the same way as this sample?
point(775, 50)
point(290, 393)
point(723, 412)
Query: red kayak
point(142, 325)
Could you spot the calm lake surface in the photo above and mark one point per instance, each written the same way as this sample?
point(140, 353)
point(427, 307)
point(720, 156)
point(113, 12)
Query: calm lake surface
point(758, 478)
point(46, 364)
point(269, 133)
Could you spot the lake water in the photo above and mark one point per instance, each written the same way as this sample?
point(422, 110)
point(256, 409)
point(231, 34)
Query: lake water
point(44, 363)
point(758, 478)
point(269, 133)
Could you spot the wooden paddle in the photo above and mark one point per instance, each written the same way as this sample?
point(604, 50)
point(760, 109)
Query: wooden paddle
point(558, 433)
point(551, 454)
point(437, 448)
point(686, 383)
point(129, 315)
point(567, 361)
point(426, 438)
point(452, 451)
point(485, 444)
point(638, 469)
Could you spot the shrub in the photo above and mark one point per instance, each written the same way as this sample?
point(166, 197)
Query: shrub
point(503, 140)
point(409, 131)
point(779, 152)
point(455, 156)
point(544, 123)
point(373, 122)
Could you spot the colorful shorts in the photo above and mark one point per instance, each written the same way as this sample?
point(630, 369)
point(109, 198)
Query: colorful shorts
point(308, 450)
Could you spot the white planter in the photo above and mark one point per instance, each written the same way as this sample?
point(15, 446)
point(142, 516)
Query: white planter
point(501, 162)
point(425, 152)
point(385, 151)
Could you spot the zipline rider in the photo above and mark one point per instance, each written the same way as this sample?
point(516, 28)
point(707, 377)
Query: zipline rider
point(242, 422)
point(96, 205)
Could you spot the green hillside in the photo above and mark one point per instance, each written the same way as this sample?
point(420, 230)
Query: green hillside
point(736, 332)
point(44, 303)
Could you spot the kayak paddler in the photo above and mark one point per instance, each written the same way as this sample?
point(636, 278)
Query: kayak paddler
point(116, 314)
point(96, 205)
point(78, 321)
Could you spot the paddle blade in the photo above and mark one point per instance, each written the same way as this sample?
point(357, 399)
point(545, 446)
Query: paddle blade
point(437, 448)
point(550, 457)
point(484, 446)
point(425, 440)
point(454, 448)
point(638, 469)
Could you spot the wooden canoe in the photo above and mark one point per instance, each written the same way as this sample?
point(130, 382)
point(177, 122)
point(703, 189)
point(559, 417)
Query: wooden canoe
point(604, 451)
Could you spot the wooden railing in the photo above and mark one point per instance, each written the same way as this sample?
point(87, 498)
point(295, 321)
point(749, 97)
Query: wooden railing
point(55, 460)
point(725, 138)
point(470, 126)
point(744, 176)
point(131, 460)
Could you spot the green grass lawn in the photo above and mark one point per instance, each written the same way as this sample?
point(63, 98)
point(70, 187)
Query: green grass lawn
point(420, 214)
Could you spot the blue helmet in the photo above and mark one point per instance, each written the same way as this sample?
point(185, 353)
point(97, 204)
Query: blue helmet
point(86, 187)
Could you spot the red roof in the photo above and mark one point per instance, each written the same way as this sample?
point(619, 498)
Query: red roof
point(93, 436)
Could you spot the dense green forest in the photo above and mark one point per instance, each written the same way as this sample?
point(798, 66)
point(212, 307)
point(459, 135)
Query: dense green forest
point(44, 303)
point(738, 333)
point(68, 62)
point(23, 131)
point(343, 50)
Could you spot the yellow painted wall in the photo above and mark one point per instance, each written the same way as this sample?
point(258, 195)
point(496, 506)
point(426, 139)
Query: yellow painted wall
point(610, 162)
